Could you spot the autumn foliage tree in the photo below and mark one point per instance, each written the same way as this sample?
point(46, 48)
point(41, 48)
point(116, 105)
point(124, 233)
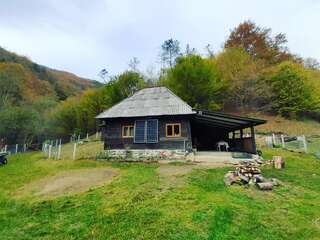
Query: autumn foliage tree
point(259, 43)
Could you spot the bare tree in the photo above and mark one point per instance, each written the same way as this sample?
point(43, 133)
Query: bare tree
point(133, 64)
point(209, 51)
point(151, 76)
point(103, 74)
point(190, 50)
point(311, 63)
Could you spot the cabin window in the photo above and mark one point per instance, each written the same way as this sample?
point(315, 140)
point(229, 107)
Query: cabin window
point(128, 131)
point(173, 130)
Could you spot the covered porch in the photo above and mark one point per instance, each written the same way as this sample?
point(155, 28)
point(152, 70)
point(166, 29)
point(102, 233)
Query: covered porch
point(212, 131)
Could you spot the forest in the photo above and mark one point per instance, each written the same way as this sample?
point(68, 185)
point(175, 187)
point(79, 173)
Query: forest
point(253, 72)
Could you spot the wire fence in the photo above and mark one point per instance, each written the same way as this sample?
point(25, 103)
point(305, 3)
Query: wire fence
point(19, 148)
point(77, 147)
point(307, 144)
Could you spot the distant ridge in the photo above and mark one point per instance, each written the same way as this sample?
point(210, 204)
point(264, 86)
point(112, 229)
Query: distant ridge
point(38, 80)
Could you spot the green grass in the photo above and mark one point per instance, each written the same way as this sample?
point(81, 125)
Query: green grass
point(139, 205)
point(314, 145)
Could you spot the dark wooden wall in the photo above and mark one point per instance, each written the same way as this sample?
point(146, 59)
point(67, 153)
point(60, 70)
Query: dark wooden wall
point(113, 140)
point(242, 145)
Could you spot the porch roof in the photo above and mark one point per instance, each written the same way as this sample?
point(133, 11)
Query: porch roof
point(224, 121)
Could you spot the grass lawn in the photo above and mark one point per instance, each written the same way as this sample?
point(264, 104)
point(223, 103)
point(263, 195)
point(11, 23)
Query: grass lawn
point(141, 204)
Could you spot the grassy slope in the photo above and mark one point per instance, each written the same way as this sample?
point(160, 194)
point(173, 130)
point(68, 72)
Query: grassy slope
point(279, 124)
point(138, 205)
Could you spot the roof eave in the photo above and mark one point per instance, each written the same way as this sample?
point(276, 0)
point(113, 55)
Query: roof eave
point(138, 116)
point(251, 121)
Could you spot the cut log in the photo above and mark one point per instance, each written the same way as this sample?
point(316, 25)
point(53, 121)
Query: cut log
point(259, 161)
point(230, 178)
point(265, 186)
point(258, 179)
point(244, 179)
point(275, 181)
point(278, 162)
point(249, 173)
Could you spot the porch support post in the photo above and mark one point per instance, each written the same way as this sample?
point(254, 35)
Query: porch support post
point(233, 145)
point(253, 139)
point(241, 140)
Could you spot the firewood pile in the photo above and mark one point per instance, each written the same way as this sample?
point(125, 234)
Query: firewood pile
point(249, 173)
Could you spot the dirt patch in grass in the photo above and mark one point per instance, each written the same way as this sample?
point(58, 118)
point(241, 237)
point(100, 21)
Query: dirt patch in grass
point(169, 170)
point(69, 182)
point(209, 165)
point(175, 176)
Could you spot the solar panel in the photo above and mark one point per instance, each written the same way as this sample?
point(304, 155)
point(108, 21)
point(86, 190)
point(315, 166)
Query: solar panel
point(139, 135)
point(146, 131)
point(152, 131)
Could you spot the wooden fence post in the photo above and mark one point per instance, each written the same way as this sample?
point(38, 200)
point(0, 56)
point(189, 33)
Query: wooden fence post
point(59, 151)
point(87, 136)
point(253, 140)
point(282, 141)
point(56, 150)
point(24, 147)
point(304, 141)
point(273, 139)
point(50, 148)
point(74, 151)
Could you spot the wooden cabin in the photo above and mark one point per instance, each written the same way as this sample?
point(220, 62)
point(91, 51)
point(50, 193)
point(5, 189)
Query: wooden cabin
point(155, 118)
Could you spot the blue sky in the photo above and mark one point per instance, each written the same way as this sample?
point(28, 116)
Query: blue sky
point(84, 36)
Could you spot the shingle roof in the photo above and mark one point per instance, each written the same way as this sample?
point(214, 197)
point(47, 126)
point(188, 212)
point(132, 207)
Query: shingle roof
point(154, 101)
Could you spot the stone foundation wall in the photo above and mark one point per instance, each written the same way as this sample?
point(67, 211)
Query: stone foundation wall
point(146, 154)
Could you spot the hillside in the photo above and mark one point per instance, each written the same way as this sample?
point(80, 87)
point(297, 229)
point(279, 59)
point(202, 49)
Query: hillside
point(277, 124)
point(24, 80)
